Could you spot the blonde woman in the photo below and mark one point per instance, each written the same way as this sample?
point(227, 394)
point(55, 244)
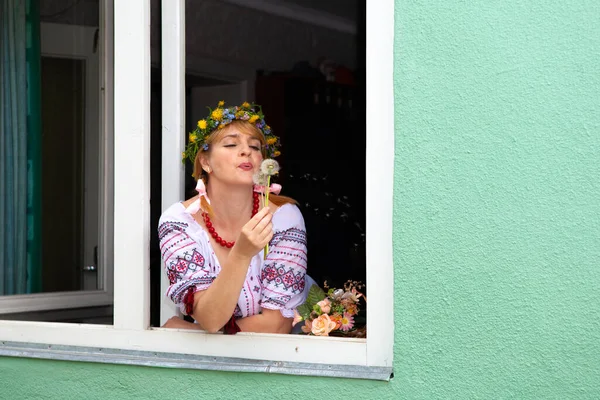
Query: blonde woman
point(212, 244)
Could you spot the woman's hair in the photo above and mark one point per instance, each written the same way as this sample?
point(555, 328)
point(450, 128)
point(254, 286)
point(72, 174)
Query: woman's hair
point(245, 128)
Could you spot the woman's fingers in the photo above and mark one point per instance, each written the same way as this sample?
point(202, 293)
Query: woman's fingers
point(267, 238)
point(254, 221)
point(265, 232)
point(262, 225)
point(257, 233)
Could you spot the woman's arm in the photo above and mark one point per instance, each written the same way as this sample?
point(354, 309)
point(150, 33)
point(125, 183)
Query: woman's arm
point(214, 306)
point(270, 321)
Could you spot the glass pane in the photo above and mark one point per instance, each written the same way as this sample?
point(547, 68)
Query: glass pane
point(51, 229)
point(308, 74)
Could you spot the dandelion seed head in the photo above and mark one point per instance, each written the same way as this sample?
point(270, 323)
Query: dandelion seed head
point(269, 167)
point(259, 178)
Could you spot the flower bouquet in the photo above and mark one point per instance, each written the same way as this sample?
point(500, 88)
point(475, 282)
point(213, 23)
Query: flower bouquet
point(331, 313)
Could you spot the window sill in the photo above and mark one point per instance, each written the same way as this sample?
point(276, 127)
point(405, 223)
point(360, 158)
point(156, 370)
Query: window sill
point(276, 353)
point(189, 361)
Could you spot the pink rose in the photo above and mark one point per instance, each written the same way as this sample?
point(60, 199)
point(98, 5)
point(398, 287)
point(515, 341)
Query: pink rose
point(322, 325)
point(325, 306)
point(297, 318)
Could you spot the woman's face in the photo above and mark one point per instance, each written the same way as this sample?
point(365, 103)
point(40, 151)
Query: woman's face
point(235, 157)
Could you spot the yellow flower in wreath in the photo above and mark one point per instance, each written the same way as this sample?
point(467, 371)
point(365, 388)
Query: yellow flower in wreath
point(221, 103)
point(245, 105)
point(217, 114)
point(193, 138)
point(253, 119)
point(202, 124)
point(277, 153)
point(271, 140)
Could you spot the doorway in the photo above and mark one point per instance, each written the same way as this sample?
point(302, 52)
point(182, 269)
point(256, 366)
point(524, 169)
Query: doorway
point(70, 161)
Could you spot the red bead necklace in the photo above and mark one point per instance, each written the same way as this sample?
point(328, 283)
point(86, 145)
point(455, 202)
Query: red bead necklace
point(213, 232)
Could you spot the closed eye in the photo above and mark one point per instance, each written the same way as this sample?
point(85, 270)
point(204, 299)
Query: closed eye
point(255, 148)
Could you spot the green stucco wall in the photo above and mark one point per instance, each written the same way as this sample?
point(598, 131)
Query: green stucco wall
point(497, 221)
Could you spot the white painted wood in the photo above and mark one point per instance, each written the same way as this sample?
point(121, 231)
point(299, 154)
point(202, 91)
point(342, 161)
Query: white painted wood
point(380, 182)
point(132, 165)
point(293, 348)
point(106, 123)
point(295, 12)
point(173, 120)
point(53, 301)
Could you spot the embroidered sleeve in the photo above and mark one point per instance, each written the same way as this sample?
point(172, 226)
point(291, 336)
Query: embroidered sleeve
point(184, 263)
point(284, 270)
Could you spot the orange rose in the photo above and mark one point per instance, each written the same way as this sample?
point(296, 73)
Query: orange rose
point(307, 327)
point(337, 318)
point(322, 325)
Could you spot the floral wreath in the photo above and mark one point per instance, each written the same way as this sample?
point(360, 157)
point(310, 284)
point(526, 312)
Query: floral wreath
point(219, 118)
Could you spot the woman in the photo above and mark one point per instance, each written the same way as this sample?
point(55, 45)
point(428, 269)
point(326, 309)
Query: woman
point(212, 245)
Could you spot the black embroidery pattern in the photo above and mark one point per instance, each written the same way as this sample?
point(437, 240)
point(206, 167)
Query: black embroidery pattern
point(291, 235)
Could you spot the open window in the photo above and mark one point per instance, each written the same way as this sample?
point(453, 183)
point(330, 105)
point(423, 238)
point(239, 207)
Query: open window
point(65, 272)
point(130, 339)
point(313, 94)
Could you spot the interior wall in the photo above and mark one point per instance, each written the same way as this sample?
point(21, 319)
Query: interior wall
point(214, 29)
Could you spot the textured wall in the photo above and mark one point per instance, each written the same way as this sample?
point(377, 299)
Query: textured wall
point(498, 199)
point(497, 221)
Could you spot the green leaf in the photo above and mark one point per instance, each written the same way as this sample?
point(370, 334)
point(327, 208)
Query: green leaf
point(304, 310)
point(315, 295)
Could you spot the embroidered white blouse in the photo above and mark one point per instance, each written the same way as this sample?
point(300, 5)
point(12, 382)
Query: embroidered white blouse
point(277, 283)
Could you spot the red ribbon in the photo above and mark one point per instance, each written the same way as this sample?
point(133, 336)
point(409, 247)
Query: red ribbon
point(231, 327)
point(188, 300)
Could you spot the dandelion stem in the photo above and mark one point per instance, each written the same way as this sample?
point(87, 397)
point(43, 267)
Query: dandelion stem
point(267, 190)
point(267, 187)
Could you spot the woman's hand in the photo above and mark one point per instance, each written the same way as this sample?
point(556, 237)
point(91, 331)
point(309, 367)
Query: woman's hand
point(255, 235)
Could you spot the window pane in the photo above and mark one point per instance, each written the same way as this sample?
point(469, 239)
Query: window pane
point(307, 71)
point(61, 161)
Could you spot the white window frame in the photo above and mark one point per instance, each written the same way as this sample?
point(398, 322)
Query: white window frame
point(131, 340)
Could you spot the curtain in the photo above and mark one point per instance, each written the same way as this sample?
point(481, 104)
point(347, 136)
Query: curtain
point(13, 148)
point(34, 148)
